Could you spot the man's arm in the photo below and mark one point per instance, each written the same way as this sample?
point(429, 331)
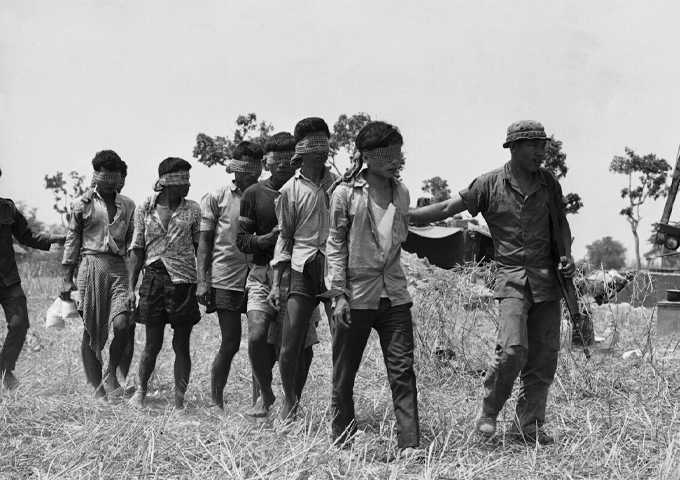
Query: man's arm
point(135, 264)
point(247, 241)
point(337, 255)
point(284, 247)
point(25, 236)
point(567, 265)
point(203, 262)
point(438, 211)
point(72, 250)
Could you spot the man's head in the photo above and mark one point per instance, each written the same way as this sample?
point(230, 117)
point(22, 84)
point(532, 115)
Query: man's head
point(526, 140)
point(173, 177)
point(312, 146)
point(279, 150)
point(380, 146)
point(107, 167)
point(246, 164)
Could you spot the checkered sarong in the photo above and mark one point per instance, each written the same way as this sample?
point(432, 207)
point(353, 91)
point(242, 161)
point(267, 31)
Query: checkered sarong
point(102, 284)
point(173, 178)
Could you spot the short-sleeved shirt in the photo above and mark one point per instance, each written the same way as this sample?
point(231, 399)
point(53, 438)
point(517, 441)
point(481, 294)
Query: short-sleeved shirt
point(520, 227)
point(89, 231)
point(258, 217)
point(174, 246)
point(302, 212)
point(220, 212)
point(14, 224)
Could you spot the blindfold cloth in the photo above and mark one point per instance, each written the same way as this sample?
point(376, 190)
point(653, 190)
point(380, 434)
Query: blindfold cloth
point(174, 178)
point(112, 179)
point(391, 154)
point(243, 167)
point(310, 144)
point(274, 158)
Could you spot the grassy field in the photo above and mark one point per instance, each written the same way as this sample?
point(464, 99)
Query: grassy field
point(616, 417)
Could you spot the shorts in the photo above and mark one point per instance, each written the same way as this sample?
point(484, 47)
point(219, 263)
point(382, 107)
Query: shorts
point(162, 302)
point(259, 284)
point(310, 283)
point(232, 300)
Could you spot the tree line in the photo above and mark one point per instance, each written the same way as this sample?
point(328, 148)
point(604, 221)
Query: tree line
point(647, 177)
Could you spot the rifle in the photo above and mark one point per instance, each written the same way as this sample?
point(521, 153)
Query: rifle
point(578, 320)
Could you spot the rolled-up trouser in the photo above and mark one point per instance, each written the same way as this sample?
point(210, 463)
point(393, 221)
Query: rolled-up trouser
point(528, 344)
point(13, 302)
point(395, 329)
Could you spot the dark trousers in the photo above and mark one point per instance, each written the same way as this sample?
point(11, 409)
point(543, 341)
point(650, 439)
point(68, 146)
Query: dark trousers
point(528, 345)
point(13, 301)
point(395, 329)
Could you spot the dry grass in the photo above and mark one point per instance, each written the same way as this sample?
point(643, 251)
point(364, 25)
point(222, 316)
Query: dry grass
point(617, 418)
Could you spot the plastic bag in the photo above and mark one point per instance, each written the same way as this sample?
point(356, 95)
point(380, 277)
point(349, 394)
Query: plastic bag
point(53, 318)
point(69, 311)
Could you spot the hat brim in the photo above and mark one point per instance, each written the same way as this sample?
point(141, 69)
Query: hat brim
point(508, 142)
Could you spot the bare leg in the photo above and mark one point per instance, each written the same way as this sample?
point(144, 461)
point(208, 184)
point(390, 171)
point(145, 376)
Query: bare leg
point(304, 363)
point(295, 326)
point(154, 343)
point(230, 329)
point(116, 350)
point(128, 353)
point(180, 344)
point(260, 360)
point(92, 366)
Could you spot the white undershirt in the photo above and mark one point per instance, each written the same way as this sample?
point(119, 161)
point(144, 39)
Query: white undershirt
point(384, 218)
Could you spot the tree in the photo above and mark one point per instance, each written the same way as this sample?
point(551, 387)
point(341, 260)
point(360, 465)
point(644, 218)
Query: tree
point(63, 196)
point(217, 151)
point(607, 252)
point(438, 188)
point(555, 161)
point(653, 173)
point(344, 134)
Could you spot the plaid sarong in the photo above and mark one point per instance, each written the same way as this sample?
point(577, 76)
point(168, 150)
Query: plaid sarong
point(310, 144)
point(102, 284)
point(173, 178)
point(244, 167)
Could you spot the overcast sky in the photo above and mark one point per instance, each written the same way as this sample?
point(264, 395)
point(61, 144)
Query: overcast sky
point(143, 78)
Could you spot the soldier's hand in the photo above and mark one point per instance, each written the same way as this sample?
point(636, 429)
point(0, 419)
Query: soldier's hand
point(567, 266)
point(60, 239)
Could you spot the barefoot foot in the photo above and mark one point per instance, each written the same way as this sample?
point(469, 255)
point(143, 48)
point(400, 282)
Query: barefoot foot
point(288, 411)
point(262, 406)
point(137, 400)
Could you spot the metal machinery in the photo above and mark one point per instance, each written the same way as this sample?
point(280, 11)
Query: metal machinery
point(666, 234)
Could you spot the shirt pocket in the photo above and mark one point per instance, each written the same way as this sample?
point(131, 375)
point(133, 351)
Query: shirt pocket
point(6, 224)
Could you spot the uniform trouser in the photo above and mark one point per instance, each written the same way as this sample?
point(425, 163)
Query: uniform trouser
point(13, 302)
point(528, 345)
point(395, 329)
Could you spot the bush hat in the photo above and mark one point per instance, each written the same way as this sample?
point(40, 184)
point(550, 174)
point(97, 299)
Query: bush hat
point(525, 130)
